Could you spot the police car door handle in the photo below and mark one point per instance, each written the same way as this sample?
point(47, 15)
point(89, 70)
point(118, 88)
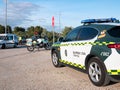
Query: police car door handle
point(65, 52)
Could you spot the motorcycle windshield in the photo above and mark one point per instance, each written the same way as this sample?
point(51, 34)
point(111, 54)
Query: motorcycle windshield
point(29, 44)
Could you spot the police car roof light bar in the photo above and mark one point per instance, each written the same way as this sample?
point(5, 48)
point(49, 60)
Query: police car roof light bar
point(104, 20)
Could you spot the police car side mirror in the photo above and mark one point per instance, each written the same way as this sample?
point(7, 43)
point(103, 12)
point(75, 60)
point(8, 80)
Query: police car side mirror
point(61, 39)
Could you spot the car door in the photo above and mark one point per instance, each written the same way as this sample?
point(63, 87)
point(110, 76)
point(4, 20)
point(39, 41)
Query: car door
point(66, 48)
point(82, 47)
point(9, 41)
point(78, 45)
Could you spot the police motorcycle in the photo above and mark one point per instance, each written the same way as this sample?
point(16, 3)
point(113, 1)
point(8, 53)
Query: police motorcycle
point(37, 43)
point(44, 44)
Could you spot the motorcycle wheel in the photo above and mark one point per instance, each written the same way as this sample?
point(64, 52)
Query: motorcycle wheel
point(47, 47)
point(30, 48)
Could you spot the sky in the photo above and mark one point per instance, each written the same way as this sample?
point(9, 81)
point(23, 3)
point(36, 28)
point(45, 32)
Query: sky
point(26, 13)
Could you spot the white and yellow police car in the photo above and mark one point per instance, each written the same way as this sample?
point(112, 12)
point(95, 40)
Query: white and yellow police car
point(93, 47)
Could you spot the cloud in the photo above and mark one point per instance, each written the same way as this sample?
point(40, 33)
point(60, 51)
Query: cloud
point(18, 12)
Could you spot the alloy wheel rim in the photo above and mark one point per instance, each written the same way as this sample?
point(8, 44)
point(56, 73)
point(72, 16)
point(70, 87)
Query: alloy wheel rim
point(31, 48)
point(55, 59)
point(95, 72)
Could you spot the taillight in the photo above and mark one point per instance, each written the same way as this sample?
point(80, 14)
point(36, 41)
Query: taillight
point(117, 46)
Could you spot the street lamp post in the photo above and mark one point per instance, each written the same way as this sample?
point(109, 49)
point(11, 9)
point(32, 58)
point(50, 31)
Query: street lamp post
point(6, 18)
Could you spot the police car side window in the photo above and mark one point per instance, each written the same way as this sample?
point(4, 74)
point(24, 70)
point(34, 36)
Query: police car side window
point(10, 37)
point(6, 38)
point(87, 33)
point(15, 37)
point(72, 35)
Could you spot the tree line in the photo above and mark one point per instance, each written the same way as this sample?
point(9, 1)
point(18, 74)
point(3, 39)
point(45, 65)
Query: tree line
point(34, 30)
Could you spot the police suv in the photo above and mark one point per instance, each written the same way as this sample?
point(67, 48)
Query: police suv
point(8, 40)
point(93, 47)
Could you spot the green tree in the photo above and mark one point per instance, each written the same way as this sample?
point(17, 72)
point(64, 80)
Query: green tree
point(2, 29)
point(30, 31)
point(39, 30)
point(66, 30)
point(19, 31)
point(9, 29)
point(57, 35)
point(44, 32)
point(50, 36)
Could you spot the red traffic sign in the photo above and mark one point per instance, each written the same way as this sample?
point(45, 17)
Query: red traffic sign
point(53, 21)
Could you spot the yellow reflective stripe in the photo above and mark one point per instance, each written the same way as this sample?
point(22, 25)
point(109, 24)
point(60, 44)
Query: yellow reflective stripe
point(72, 64)
point(110, 72)
point(105, 43)
point(111, 42)
point(113, 72)
point(81, 44)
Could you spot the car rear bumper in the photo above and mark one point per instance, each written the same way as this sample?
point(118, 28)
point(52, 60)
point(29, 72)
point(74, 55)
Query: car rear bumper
point(112, 63)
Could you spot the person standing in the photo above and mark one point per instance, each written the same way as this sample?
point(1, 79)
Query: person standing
point(20, 40)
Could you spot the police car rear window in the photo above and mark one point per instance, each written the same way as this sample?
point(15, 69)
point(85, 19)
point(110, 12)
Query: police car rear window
point(87, 33)
point(114, 32)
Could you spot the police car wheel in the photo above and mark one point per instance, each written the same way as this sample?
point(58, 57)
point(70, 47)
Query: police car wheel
point(55, 59)
point(97, 72)
point(30, 48)
point(3, 46)
point(15, 45)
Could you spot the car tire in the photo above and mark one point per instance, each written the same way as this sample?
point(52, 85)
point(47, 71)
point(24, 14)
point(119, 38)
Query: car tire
point(97, 72)
point(3, 46)
point(55, 59)
point(15, 45)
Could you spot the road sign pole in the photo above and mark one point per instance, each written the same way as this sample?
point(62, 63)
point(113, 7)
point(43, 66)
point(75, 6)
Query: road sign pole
point(53, 28)
point(53, 35)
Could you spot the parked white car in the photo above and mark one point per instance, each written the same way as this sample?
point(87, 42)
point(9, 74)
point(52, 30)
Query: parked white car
point(8, 40)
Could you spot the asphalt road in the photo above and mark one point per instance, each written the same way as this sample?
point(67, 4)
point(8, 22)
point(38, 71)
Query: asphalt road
point(23, 70)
